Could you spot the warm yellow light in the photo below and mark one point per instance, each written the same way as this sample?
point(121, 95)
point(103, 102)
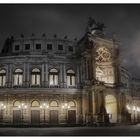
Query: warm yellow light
point(25, 106)
point(134, 108)
point(40, 106)
point(128, 107)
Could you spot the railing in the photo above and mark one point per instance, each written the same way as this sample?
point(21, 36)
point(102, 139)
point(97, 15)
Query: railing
point(35, 86)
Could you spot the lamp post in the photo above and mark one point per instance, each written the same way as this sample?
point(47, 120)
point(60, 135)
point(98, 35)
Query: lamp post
point(65, 106)
point(44, 107)
point(22, 107)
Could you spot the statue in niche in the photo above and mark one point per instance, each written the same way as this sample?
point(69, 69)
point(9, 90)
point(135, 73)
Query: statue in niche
point(94, 26)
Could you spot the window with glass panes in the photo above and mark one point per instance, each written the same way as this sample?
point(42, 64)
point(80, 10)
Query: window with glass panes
point(18, 75)
point(2, 78)
point(53, 77)
point(35, 76)
point(70, 78)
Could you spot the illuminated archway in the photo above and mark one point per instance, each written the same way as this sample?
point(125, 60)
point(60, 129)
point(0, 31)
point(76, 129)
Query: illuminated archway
point(111, 107)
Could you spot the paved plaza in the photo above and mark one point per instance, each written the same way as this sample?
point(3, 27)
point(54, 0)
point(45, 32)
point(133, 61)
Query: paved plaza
point(131, 130)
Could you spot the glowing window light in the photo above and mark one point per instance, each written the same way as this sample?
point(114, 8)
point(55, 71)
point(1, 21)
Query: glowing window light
point(134, 108)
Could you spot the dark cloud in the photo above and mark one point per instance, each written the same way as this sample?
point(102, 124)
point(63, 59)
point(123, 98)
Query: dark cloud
point(71, 20)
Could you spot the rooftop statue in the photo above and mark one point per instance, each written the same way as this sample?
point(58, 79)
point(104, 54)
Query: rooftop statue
point(94, 26)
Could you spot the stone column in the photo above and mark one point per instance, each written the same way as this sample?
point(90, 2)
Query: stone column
point(10, 75)
point(24, 75)
point(77, 77)
point(28, 76)
point(86, 68)
point(46, 76)
point(7, 75)
point(42, 76)
point(64, 75)
point(61, 80)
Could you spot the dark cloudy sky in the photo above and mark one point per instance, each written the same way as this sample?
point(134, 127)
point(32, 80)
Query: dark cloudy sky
point(71, 20)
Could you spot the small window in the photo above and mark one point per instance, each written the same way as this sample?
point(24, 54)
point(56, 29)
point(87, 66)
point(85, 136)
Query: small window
point(49, 46)
point(38, 46)
point(27, 46)
point(60, 47)
point(70, 48)
point(16, 47)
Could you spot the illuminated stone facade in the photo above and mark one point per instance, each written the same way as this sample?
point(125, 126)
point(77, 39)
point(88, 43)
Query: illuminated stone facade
point(57, 81)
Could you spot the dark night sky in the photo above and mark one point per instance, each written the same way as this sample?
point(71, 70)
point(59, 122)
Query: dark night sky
point(71, 20)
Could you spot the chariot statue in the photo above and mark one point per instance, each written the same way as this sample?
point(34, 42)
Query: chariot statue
point(94, 26)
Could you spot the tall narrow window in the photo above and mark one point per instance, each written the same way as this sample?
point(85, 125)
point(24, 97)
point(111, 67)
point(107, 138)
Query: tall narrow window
point(18, 74)
point(53, 77)
point(2, 78)
point(70, 78)
point(36, 76)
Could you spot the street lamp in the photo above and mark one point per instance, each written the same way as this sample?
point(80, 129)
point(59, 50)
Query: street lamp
point(65, 106)
point(22, 107)
point(44, 107)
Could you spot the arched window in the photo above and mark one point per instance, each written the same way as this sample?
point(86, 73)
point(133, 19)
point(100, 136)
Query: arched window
point(70, 78)
point(16, 103)
point(18, 76)
point(53, 77)
point(35, 76)
point(53, 104)
point(2, 78)
point(35, 103)
point(72, 104)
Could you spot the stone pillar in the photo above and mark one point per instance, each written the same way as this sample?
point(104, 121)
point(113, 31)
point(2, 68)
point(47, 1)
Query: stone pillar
point(86, 68)
point(28, 76)
point(61, 76)
point(42, 76)
point(24, 75)
point(77, 77)
point(7, 75)
point(64, 75)
point(10, 75)
point(46, 76)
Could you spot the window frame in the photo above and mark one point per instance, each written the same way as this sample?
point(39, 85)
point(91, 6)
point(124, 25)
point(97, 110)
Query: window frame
point(3, 76)
point(18, 78)
point(35, 74)
point(54, 75)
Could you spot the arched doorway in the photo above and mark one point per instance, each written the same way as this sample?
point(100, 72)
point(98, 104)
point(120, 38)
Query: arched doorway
point(72, 112)
point(111, 107)
point(35, 112)
point(54, 112)
point(17, 116)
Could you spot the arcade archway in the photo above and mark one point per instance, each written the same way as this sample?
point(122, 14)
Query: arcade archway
point(111, 107)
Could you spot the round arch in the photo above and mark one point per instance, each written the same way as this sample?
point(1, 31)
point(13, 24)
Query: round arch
point(72, 104)
point(35, 103)
point(54, 103)
point(16, 103)
point(111, 107)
